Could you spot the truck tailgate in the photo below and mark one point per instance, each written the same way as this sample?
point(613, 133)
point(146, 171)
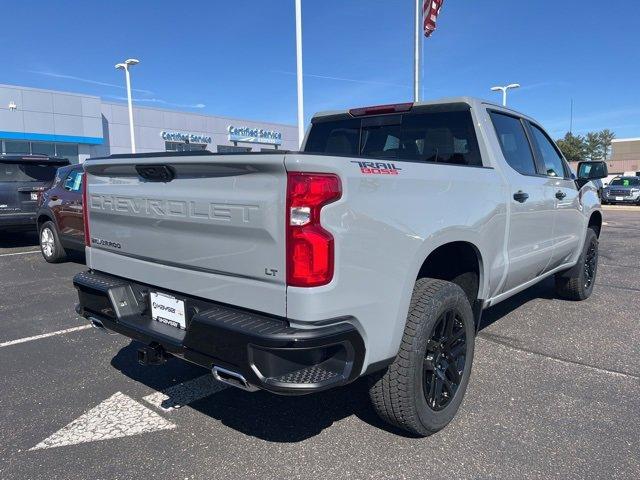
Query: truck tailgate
point(215, 230)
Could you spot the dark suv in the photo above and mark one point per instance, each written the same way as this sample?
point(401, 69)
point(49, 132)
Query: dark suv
point(60, 223)
point(22, 179)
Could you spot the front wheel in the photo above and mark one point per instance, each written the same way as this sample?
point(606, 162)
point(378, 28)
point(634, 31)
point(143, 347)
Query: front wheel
point(50, 246)
point(421, 391)
point(577, 283)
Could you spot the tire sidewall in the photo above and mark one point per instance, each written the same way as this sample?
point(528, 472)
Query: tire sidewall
point(452, 299)
point(591, 239)
point(56, 254)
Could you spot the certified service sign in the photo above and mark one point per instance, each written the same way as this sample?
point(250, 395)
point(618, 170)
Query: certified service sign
point(185, 137)
point(254, 135)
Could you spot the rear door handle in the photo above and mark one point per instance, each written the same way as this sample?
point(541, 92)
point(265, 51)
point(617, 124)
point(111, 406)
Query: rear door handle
point(54, 197)
point(560, 194)
point(520, 196)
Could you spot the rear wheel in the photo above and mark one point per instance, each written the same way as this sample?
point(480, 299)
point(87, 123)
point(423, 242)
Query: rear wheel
point(421, 391)
point(577, 283)
point(50, 246)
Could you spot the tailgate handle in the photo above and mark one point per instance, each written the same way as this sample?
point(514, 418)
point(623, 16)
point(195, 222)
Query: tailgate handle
point(156, 173)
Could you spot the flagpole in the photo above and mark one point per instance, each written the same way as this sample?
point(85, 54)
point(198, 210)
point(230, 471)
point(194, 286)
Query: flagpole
point(299, 73)
point(416, 49)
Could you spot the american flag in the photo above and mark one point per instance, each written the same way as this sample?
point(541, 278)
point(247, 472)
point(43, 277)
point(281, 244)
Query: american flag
point(430, 12)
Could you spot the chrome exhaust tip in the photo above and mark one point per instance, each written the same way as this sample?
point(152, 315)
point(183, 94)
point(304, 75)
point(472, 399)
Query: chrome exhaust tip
point(232, 378)
point(98, 325)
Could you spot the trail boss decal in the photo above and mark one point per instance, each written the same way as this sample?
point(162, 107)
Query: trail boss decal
point(377, 168)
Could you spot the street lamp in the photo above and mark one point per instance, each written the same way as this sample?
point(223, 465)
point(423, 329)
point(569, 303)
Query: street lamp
point(125, 66)
point(504, 91)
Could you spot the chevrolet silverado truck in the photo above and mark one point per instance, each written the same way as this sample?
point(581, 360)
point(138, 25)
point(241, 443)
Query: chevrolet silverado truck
point(371, 252)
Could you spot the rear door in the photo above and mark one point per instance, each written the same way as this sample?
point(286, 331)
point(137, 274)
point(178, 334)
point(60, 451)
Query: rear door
point(569, 220)
point(213, 227)
point(530, 242)
point(70, 212)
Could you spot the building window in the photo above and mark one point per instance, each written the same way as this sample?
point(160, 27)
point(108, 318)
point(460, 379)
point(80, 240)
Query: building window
point(231, 149)
point(42, 148)
point(68, 151)
point(19, 148)
point(65, 150)
point(183, 147)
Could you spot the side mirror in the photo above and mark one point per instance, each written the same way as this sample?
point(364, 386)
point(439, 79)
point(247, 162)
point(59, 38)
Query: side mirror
point(592, 170)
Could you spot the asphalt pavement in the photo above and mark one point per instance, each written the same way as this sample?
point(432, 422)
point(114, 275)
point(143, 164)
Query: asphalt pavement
point(554, 393)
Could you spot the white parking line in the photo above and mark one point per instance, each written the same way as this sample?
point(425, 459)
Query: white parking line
point(44, 335)
point(18, 253)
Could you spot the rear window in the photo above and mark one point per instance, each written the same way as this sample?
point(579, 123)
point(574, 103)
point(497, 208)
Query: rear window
point(20, 172)
point(434, 137)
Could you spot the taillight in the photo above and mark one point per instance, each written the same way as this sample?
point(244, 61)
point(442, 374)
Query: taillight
point(310, 250)
point(85, 210)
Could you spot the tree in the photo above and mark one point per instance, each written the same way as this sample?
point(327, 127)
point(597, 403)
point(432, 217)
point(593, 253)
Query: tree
point(593, 146)
point(606, 137)
point(572, 147)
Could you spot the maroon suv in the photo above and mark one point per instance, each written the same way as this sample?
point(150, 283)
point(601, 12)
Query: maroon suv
point(59, 216)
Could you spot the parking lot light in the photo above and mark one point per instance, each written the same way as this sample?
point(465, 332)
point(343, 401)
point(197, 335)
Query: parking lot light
point(504, 91)
point(125, 66)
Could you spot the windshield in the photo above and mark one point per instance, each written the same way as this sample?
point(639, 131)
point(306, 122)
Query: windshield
point(22, 172)
point(443, 137)
point(625, 182)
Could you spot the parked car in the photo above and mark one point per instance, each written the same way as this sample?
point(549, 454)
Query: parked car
point(22, 179)
point(622, 190)
point(59, 215)
point(372, 252)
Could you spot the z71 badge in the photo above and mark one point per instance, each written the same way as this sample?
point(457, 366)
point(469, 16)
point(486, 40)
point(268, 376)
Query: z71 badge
point(377, 168)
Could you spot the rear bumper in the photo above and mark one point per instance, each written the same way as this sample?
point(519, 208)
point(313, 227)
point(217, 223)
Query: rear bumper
point(18, 220)
point(264, 350)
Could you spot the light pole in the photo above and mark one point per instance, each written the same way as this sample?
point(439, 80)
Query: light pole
point(504, 91)
point(298, 5)
point(125, 66)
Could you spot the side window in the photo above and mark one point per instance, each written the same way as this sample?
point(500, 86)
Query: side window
point(514, 143)
point(73, 183)
point(553, 164)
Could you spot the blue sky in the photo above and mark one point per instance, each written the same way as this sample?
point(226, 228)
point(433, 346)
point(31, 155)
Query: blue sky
point(237, 58)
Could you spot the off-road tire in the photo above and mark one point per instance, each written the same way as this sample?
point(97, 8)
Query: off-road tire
point(52, 252)
point(574, 284)
point(397, 393)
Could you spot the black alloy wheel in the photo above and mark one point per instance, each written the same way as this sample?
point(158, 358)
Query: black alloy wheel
point(444, 360)
point(590, 264)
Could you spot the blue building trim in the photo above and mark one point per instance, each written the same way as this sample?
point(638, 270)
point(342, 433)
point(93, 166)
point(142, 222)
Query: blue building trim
point(47, 137)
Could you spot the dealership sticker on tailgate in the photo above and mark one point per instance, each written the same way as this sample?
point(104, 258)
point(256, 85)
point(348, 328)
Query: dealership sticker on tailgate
point(168, 309)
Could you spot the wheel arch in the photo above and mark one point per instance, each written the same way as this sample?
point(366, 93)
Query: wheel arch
point(460, 262)
point(43, 217)
point(595, 222)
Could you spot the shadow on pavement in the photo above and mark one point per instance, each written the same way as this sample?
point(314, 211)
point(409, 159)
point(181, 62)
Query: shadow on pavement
point(544, 289)
point(278, 418)
point(270, 417)
point(18, 239)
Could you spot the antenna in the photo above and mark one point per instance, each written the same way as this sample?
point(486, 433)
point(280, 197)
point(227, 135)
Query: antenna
point(571, 118)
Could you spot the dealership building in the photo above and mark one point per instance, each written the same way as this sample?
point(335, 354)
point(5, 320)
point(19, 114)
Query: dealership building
point(625, 155)
point(78, 126)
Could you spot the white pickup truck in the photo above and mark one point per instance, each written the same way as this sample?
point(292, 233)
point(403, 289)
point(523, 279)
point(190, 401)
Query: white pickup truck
point(371, 252)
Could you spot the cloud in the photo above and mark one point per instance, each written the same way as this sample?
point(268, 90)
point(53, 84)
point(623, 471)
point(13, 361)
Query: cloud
point(158, 101)
point(87, 80)
point(344, 79)
point(534, 86)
